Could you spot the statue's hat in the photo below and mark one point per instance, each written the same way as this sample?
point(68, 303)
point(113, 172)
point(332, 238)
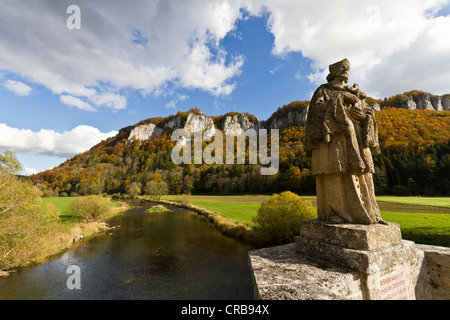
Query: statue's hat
point(336, 67)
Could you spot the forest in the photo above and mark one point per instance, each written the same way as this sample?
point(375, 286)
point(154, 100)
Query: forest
point(414, 160)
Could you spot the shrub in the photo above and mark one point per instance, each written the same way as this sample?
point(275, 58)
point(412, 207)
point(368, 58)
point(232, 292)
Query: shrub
point(278, 219)
point(185, 199)
point(89, 207)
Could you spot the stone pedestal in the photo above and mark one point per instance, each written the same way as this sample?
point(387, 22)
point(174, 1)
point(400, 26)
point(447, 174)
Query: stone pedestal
point(342, 262)
point(389, 268)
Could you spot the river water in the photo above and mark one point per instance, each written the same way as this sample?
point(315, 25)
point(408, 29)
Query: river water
point(167, 255)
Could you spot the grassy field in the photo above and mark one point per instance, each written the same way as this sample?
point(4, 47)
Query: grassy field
point(63, 203)
point(423, 220)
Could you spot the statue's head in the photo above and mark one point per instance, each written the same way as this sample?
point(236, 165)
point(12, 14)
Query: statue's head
point(340, 70)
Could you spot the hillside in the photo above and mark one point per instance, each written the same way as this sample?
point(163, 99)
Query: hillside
point(415, 156)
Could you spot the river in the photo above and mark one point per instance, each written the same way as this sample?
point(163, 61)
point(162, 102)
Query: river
point(168, 255)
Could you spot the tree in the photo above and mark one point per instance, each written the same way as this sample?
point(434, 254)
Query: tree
point(155, 189)
point(24, 220)
point(292, 179)
point(278, 220)
point(90, 207)
point(188, 184)
point(134, 189)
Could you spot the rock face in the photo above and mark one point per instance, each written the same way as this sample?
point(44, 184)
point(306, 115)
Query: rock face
point(409, 103)
point(145, 132)
point(446, 104)
point(198, 122)
point(376, 107)
point(173, 123)
point(291, 118)
point(436, 102)
point(238, 124)
point(424, 102)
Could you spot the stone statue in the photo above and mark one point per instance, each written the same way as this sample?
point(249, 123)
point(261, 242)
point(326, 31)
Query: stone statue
point(341, 133)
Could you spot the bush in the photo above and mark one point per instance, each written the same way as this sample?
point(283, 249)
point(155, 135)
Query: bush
point(185, 199)
point(89, 207)
point(278, 219)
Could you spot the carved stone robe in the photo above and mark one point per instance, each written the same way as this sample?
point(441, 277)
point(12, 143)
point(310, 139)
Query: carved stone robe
point(341, 133)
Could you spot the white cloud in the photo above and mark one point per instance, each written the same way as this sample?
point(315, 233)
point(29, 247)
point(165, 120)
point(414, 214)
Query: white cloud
point(393, 46)
point(29, 171)
point(154, 46)
point(110, 100)
point(139, 45)
point(173, 103)
point(76, 102)
point(18, 87)
point(49, 142)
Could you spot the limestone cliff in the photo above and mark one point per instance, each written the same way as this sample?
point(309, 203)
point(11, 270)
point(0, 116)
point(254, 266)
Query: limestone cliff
point(145, 132)
point(238, 124)
point(199, 122)
point(290, 118)
point(234, 124)
point(425, 101)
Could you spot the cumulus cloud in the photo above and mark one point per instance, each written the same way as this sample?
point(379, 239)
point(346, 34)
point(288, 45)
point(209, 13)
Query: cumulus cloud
point(49, 142)
point(173, 103)
point(393, 46)
point(29, 171)
point(153, 46)
point(76, 102)
point(139, 45)
point(110, 100)
point(18, 87)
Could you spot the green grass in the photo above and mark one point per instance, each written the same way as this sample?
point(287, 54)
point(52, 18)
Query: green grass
point(62, 203)
point(238, 211)
point(424, 228)
point(426, 201)
point(423, 220)
point(156, 209)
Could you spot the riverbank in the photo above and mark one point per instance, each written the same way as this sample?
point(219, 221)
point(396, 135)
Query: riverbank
point(229, 227)
point(62, 236)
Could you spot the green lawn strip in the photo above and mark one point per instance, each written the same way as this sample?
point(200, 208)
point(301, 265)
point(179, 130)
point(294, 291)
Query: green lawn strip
point(238, 211)
point(62, 203)
point(443, 202)
point(424, 228)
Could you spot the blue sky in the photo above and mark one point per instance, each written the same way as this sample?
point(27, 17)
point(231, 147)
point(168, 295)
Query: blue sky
point(62, 90)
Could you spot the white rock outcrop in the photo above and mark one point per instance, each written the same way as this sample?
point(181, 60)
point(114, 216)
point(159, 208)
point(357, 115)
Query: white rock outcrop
point(409, 103)
point(424, 102)
point(376, 107)
point(290, 118)
point(199, 122)
point(145, 132)
point(239, 124)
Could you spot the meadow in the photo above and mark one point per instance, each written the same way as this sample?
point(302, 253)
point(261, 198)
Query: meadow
point(422, 220)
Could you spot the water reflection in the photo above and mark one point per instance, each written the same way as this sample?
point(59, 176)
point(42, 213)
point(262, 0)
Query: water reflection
point(170, 255)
